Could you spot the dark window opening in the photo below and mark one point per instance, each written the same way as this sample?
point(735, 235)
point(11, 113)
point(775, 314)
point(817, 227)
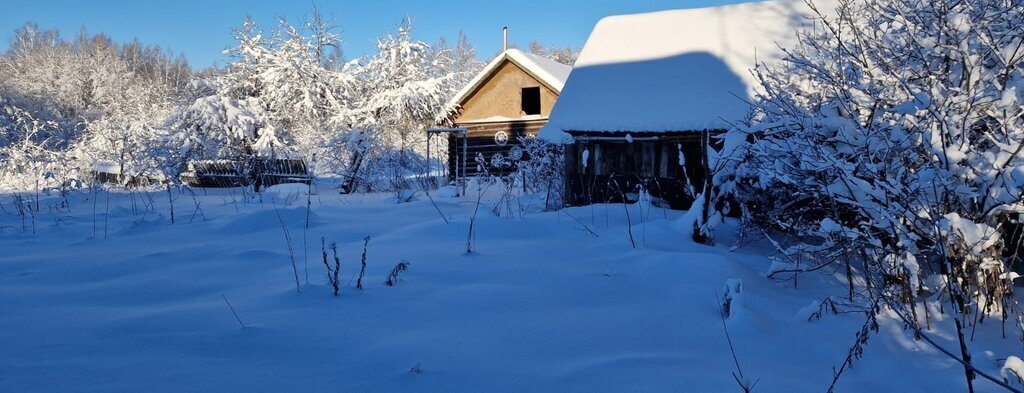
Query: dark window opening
point(531, 100)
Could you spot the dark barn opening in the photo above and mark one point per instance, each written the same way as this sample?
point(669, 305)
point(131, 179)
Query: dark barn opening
point(609, 168)
point(531, 100)
point(1013, 242)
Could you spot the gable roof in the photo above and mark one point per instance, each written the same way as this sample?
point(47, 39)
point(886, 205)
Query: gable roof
point(549, 72)
point(678, 70)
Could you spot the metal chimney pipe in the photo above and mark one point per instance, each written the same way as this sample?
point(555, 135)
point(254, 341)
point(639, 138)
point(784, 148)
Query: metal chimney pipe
point(504, 40)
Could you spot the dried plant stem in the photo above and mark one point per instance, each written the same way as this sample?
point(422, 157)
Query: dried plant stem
point(362, 269)
point(291, 250)
point(233, 311)
point(170, 200)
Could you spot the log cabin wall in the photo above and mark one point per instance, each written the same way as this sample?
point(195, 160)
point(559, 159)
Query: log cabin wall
point(488, 139)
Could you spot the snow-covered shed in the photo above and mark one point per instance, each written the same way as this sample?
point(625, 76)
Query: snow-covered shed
point(510, 98)
point(647, 87)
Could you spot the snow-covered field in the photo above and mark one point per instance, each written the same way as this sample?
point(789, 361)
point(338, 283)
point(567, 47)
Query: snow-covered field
point(127, 301)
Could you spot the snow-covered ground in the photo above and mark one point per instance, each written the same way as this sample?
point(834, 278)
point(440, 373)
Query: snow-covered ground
point(542, 305)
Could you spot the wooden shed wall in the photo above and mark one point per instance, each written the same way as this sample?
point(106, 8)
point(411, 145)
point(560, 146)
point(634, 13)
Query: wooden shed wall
point(500, 95)
point(616, 168)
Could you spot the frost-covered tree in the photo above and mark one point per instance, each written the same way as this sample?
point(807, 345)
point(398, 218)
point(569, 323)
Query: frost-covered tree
point(462, 61)
point(299, 92)
point(30, 150)
point(566, 55)
point(889, 142)
point(218, 126)
point(138, 111)
point(403, 88)
point(100, 99)
point(325, 39)
point(276, 98)
point(240, 77)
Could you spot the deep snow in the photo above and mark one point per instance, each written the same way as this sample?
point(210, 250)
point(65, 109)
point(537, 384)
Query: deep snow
point(542, 305)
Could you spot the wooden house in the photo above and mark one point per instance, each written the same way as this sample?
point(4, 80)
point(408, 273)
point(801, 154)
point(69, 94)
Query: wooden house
point(649, 89)
point(510, 99)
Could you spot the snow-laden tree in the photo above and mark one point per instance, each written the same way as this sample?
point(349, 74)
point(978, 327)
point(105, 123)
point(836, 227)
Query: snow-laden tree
point(403, 88)
point(405, 85)
point(218, 126)
point(31, 152)
point(461, 59)
point(99, 99)
point(240, 78)
point(325, 39)
point(301, 94)
point(118, 143)
point(889, 143)
point(566, 55)
point(276, 98)
point(136, 110)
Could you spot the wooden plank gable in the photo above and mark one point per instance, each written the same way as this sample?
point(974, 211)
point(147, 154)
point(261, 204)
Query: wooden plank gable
point(500, 95)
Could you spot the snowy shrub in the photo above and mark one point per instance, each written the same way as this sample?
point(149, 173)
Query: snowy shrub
point(899, 126)
point(890, 143)
point(541, 166)
point(219, 126)
point(332, 271)
point(30, 156)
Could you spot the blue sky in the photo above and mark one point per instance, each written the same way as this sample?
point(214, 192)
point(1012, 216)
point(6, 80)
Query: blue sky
point(201, 29)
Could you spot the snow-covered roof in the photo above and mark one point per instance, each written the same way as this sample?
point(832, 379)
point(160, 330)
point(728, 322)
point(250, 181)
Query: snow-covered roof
point(677, 70)
point(106, 167)
point(549, 72)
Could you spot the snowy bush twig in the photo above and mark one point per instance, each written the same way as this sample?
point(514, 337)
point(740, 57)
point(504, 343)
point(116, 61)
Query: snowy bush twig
point(332, 272)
